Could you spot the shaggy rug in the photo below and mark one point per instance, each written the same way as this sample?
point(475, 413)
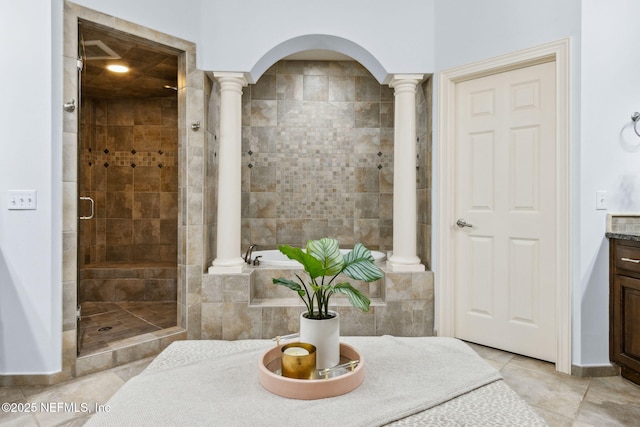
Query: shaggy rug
point(211, 383)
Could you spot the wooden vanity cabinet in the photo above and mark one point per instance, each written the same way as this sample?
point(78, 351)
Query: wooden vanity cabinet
point(624, 307)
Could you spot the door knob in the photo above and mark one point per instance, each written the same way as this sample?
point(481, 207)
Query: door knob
point(462, 223)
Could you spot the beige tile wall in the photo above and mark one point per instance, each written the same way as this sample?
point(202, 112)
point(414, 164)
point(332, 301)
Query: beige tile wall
point(128, 282)
point(423, 171)
point(318, 157)
point(248, 305)
point(212, 130)
point(129, 166)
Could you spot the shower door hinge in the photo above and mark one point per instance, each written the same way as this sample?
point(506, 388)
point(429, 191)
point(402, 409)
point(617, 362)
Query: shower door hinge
point(78, 312)
point(79, 64)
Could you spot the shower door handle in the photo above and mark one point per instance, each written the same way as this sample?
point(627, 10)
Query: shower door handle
point(92, 207)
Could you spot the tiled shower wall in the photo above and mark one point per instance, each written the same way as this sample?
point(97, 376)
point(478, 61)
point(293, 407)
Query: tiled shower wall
point(317, 156)
point(212, 130)
point(423, 171)
point(128, 165)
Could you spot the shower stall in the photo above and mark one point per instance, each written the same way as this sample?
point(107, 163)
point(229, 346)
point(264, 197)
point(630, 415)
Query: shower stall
point(127, 188)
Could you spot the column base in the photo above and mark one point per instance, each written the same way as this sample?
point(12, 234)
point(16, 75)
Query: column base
point(227, 266)
point(404, 264)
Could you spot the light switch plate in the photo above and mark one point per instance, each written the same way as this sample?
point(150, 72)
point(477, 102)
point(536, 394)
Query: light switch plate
point(23, 199)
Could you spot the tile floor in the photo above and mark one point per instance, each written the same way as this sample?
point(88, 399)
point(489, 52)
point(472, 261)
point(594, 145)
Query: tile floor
point(124, 319)
point(561, 399)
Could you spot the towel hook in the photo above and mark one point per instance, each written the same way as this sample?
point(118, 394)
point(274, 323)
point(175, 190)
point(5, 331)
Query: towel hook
point(635, 117)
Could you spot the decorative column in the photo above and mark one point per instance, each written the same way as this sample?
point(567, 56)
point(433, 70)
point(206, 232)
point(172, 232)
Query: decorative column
point(404, 256)
point(228, 259)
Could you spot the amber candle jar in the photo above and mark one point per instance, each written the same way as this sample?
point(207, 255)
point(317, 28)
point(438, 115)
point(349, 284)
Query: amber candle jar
point(298, 360)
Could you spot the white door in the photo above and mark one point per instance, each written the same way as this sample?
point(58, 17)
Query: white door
point(505, 189)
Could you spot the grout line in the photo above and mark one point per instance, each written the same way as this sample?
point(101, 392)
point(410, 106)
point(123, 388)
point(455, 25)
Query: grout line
point(120, 311)
point(142, 318)
point(582, 400)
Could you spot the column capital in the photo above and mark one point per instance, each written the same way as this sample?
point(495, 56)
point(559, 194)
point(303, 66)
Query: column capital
point(237, 78)
point(405, 79)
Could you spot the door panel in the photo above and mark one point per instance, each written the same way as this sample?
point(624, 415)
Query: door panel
point(481, 298)
point(482, 186)
point(524, 169)
point(523, 281)
point(505, 187)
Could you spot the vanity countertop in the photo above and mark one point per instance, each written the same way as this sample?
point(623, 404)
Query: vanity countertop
point(623, 235)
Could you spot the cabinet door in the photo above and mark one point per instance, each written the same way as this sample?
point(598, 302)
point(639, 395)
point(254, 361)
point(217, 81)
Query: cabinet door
point(627, 318)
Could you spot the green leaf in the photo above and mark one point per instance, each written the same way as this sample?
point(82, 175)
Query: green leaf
point(327, 251)
point(311, 265)
point(291, 285)
point(360, 265)
point(356, 298)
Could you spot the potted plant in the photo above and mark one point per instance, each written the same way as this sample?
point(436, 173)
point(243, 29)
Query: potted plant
point(323, 262)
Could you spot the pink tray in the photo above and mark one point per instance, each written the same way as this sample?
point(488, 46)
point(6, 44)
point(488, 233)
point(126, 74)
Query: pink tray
point(310, 389)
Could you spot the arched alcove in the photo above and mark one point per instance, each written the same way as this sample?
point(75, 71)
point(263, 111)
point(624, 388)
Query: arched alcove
point(317, 155)
point(320, 42)
point(315, 137)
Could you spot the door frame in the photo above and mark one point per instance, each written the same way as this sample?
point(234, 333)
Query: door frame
point(557, 52)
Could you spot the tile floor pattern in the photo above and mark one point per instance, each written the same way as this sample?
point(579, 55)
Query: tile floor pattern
point(125, 319)
point(561, 399)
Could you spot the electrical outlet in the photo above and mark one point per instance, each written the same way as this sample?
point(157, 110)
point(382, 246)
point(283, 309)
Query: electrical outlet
point(601, 200)
point(22, 199)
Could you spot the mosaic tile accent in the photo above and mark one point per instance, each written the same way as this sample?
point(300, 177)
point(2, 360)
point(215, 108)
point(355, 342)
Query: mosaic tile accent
point(126, 158)
point(317, 142)
point(312, 143)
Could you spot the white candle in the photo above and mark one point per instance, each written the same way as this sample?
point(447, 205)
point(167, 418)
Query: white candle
point(296, 351)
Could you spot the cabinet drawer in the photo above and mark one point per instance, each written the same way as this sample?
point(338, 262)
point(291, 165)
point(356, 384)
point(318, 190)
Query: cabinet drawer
point(628, 258)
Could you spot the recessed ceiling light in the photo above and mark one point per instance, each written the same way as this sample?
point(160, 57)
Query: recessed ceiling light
point(117, 68)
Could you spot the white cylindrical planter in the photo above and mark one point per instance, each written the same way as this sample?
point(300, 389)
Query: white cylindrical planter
point(325, 335)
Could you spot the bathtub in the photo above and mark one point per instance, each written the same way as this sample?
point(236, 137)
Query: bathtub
point(275, 258)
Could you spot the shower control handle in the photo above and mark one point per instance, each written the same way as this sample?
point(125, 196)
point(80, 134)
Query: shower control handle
point(92, 207)
point(462, 223)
